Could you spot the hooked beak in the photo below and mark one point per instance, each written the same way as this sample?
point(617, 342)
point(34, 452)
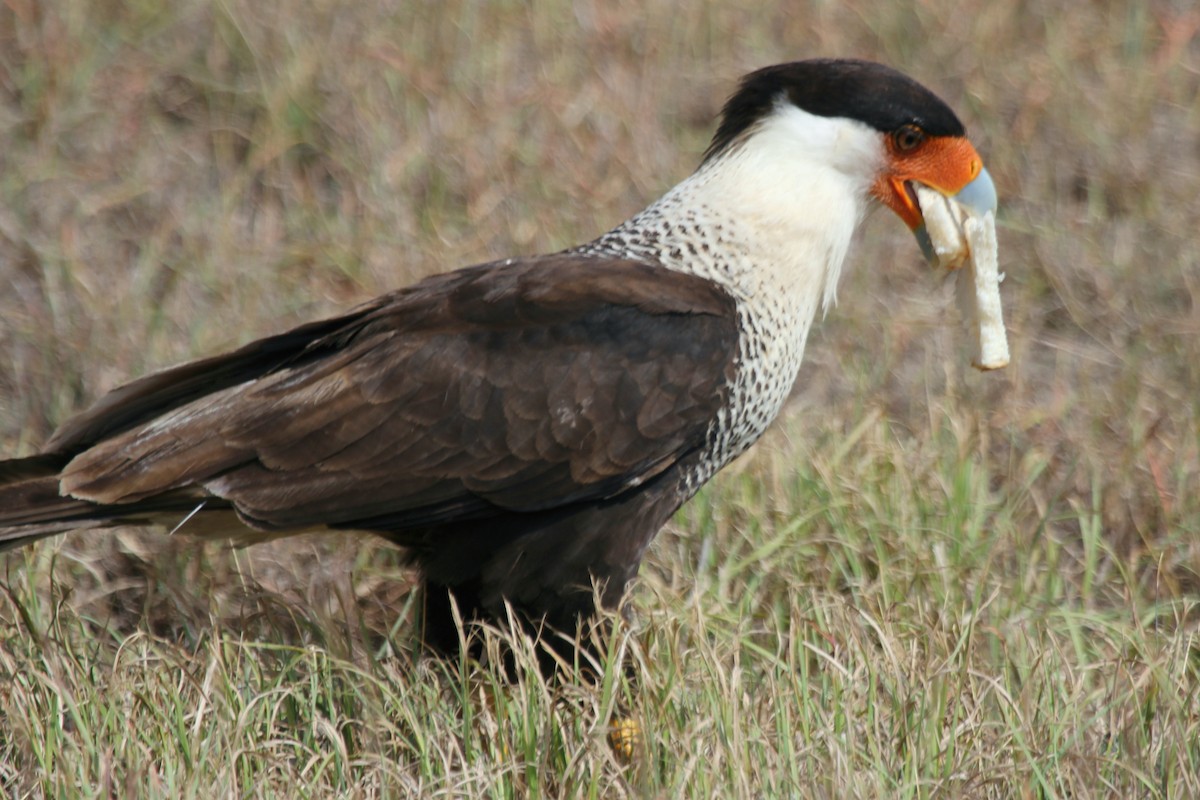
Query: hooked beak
point(978, 196)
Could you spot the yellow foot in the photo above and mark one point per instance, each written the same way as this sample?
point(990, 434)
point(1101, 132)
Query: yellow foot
point(624, 736)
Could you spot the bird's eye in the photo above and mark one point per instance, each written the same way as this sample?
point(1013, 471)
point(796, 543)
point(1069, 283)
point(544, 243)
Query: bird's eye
point(908, 138)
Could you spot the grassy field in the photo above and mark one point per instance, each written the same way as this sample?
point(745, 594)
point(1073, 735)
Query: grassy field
point(926, 582)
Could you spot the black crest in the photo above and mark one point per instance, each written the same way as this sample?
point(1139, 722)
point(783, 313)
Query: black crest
point(863, 90)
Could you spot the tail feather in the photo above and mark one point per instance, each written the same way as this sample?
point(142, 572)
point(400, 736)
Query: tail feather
point(18, 469)
point(32, 506)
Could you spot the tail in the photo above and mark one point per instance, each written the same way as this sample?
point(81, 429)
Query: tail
point(32, 507)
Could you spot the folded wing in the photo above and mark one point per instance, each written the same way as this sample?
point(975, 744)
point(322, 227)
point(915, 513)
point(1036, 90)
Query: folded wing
point(520, 386)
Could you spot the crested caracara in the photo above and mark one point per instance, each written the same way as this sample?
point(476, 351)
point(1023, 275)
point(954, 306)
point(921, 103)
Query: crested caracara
point(523, 428)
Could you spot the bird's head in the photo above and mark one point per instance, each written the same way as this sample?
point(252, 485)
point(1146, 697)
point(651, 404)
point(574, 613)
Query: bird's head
point(877, 127)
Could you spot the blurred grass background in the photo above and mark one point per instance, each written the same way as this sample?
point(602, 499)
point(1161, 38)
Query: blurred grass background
point(925, 583)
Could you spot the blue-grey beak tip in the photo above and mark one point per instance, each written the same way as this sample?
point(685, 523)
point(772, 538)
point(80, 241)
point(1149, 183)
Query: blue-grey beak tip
point(979, 194)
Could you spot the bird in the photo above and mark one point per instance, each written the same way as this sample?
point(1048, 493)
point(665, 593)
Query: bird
point(523, 428)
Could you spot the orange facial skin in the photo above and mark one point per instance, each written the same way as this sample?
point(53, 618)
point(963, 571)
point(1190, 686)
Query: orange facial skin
point(945, 163)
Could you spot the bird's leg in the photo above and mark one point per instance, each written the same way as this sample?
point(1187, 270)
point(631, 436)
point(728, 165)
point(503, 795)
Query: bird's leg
point(446, 611)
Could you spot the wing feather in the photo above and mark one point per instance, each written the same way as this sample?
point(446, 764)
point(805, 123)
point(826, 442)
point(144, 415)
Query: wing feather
point(521, 386)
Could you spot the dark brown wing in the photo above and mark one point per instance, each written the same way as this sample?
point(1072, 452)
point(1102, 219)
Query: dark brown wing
point(518, 386)
point(136, 402)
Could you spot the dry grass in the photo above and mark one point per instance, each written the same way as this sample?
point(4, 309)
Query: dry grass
point(928, 583)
